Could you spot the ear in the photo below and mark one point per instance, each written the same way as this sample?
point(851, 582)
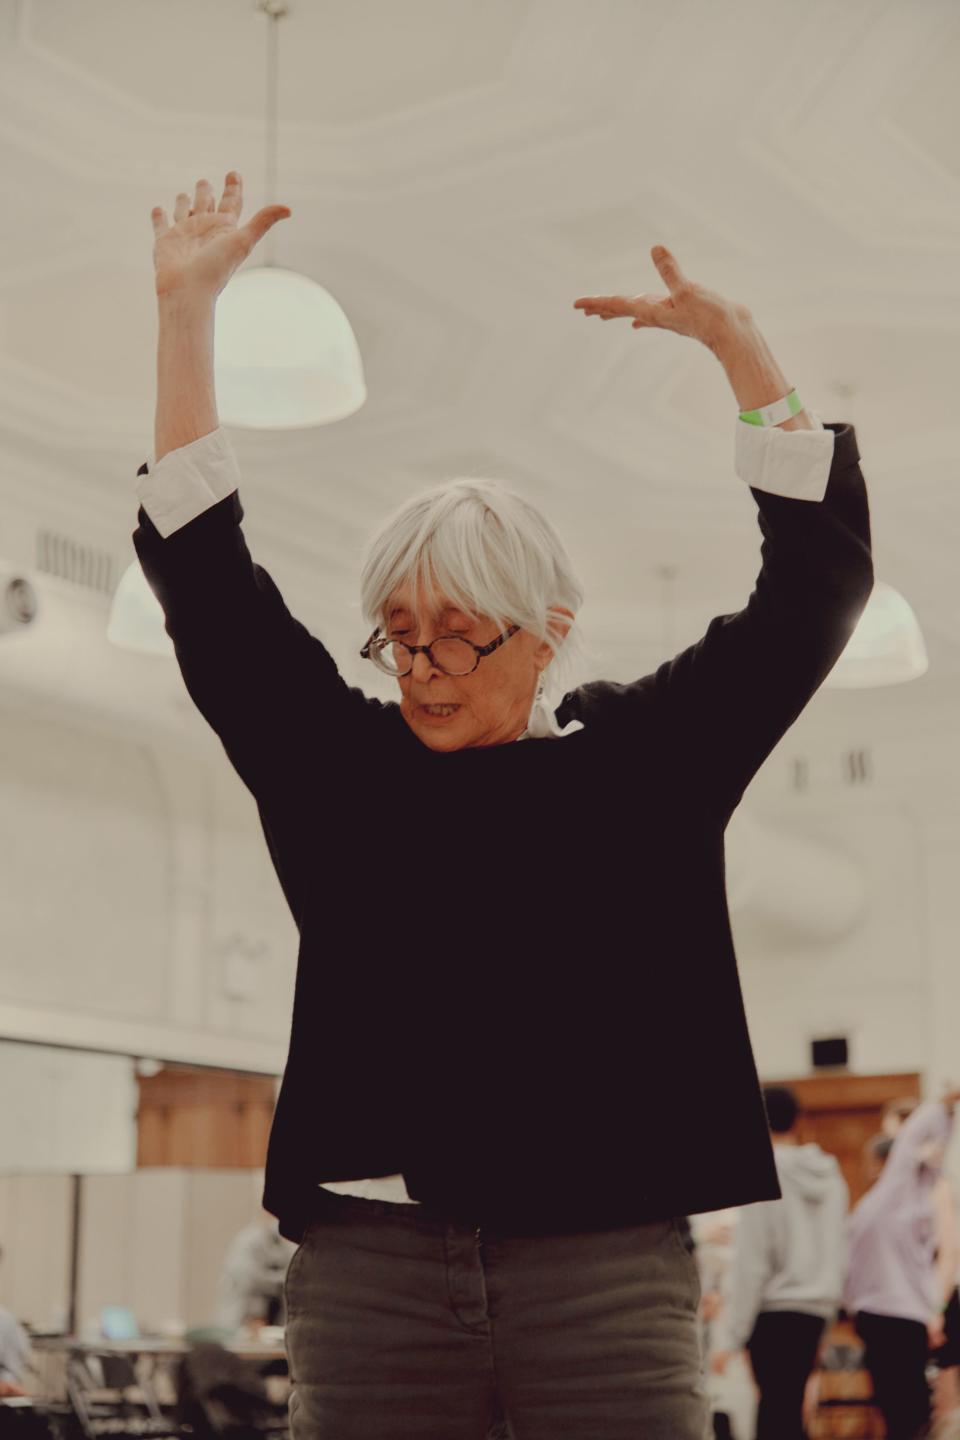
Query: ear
point(558, 628)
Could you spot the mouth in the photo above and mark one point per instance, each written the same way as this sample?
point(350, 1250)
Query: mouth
point(439, 712)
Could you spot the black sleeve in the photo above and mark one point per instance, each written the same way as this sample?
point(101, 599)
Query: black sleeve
point(722, 704)
point(269, 688)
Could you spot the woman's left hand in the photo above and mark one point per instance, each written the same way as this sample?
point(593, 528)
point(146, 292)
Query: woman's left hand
point(689, 309)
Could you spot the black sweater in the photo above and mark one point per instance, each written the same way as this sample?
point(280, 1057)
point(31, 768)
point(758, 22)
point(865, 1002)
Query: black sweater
point(516, 982)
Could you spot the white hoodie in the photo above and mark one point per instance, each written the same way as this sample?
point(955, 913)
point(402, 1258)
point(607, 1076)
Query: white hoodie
point(791, 1254)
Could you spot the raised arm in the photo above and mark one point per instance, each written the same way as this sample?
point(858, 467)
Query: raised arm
point(918, 1143)
point(725, 702)
point(267, 687)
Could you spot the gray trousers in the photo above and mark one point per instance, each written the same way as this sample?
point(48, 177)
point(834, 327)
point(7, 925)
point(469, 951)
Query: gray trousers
point(405, 1325)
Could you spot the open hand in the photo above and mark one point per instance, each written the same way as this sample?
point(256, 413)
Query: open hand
point(689, 309)
point(203, 247)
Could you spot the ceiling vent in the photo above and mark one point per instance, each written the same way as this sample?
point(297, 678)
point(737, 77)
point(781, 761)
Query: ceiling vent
point(79, 564)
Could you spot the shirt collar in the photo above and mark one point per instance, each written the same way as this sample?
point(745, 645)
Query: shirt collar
point(543, 723)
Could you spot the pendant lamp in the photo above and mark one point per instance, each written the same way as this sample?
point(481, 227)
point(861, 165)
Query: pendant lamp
point(136, 616)
point(285, 355)
point(886, 648)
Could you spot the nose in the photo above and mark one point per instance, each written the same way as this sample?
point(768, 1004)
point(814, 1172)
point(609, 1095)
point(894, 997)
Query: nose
point(422, 669)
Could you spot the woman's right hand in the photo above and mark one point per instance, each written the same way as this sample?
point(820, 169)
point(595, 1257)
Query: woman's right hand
point(689, 309)
point(200, 251)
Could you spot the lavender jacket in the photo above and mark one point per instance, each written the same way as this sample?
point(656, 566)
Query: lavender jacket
point(891, 1232)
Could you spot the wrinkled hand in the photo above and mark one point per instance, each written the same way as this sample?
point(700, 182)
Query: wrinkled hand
point(689, 309)
point(203, 247)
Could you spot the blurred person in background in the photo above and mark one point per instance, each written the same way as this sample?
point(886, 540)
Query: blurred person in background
point(14, 1352)
point(786, 1280)
point(731, 1394)
point(893, 1289)
point(251, 1282)
point(946, 1355)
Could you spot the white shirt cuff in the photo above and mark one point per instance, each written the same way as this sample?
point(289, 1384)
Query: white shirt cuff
point(185, 482)
point(794, 463)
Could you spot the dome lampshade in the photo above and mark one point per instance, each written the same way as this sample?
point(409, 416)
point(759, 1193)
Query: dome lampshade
point(136, 617)
point(285, 354)
point(886, 648)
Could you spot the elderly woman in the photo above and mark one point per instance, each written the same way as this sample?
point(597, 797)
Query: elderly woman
point(516, 995)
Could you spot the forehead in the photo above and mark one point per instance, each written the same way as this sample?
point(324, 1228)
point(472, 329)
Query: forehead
point(434, 602)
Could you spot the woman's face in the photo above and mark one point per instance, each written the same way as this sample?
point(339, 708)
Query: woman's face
point(492, 704)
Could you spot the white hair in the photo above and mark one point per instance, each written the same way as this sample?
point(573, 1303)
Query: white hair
point(488, 549)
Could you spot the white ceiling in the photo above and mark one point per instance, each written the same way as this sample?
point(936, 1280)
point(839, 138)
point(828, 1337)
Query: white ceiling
point(459, 171)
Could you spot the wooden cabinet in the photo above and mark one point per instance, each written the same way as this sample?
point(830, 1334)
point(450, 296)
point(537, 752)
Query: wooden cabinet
point(192, 1116)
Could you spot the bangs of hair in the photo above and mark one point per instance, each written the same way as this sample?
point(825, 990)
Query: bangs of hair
point(488, 550)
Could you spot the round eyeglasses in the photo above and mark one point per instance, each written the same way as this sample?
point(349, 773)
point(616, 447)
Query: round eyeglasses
point(450, 653)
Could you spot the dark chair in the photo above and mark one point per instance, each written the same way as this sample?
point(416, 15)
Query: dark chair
point(223, 1396)
point(109, 1398)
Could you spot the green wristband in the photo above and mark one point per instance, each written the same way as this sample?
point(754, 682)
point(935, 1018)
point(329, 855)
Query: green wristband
point(776, 413)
